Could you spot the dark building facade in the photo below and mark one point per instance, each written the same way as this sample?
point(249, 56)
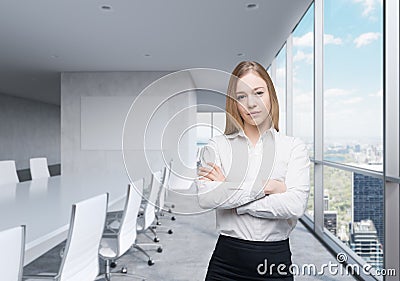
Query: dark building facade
point(368, 202)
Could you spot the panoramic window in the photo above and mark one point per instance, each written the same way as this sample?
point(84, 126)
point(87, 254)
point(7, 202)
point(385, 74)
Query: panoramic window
point(303, 80)
point(280, 87)
point(353, 125)
point(353, 79)
point(209, 124)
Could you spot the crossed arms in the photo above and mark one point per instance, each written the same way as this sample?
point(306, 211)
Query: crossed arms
point(214, 192)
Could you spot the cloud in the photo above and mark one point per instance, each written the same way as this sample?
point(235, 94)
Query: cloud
point(366, 39)
point(307, 40)
point(281, 73)
point(377, 94)
point(336, 97)
point(352, 100)
point(330, 39)
point(336, 92)
point(343, 113)
point(304, 99)
point(369, 6)
point(280, 95)
point(300, 55)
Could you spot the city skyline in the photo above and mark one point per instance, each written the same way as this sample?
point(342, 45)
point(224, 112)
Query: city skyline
point(348, 103)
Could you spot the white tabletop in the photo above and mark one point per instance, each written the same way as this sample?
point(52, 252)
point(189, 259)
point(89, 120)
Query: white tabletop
point(44, 206)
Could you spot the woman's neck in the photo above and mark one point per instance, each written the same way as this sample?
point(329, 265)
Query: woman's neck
point(253, 132)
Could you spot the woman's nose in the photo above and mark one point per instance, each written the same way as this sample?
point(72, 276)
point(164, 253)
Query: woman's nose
point(251, 101)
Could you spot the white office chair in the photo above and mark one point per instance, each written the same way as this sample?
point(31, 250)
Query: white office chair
point(81, 257)
point(8, 172)
point(161, 207)
point(174, 182)
point(39, 168)
point(164, 189)
point(116, 242)
point(12, 245)
point(149, 213)
point(178, 183)
point(166, 180)
point(148, 217)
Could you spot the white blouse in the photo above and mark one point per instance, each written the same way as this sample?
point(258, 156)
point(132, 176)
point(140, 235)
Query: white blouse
point(242, 209)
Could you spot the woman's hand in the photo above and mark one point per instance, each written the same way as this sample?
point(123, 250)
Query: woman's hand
point(214, 173)
point(274, 186)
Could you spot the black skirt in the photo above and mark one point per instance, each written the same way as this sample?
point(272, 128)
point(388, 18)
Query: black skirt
point(236, 259)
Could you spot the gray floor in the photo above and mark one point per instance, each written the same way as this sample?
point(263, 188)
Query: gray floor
point(187, 251)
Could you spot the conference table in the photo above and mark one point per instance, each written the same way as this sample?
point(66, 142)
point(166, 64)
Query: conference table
point(44, 206)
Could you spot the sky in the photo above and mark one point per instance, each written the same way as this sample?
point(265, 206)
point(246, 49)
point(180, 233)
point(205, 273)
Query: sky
point(353, 71)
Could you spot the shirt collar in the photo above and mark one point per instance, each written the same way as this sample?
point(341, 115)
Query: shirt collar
point(240, 132)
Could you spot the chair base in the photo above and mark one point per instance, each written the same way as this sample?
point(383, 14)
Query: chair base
point(150, 261)
point(165, 214)
point(161, 228)
point(108, 277)
point(123, 273)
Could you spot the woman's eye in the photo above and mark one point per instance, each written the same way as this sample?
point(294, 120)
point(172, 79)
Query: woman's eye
point(259, 93)
point(240, 97)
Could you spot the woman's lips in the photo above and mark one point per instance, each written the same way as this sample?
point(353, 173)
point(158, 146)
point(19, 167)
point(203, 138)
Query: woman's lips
point(254, 113)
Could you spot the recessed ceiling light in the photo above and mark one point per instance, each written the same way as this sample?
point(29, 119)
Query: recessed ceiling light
point(252, 6)
point(106, 8)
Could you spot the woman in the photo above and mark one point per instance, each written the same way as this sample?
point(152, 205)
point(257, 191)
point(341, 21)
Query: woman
point(258, 204)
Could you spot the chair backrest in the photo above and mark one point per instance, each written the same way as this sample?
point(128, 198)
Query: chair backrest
point(127, 231)
point(12, 245)
point(150, 209)
point(39, 168)
point(178, 183)
point(8, 172)
point(81, 256)
point(163, 188)
point(166, 175)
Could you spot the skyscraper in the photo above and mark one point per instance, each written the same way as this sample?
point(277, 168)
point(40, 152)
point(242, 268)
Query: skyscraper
point(364, 242)
point(330, 221)
point(368, 202)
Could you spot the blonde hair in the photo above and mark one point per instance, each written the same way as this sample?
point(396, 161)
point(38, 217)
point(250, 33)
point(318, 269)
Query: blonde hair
point(234, 121)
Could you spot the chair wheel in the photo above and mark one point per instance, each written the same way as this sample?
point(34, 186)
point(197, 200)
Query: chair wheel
point(124, 270)
point(170, 231)
point(156, 239)
point(169, 211)
point(172, 206)
point(173, 218)
point(113, 264)
point(159, 250)
point(158, 223)
point(150, 262)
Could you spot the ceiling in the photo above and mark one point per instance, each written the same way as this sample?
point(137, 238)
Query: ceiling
point(44, 37)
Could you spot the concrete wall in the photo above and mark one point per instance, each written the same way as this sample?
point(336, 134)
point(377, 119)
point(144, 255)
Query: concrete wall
point(29, 129)
point(95, 148)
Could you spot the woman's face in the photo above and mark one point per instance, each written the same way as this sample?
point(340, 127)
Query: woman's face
point(253, 100)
